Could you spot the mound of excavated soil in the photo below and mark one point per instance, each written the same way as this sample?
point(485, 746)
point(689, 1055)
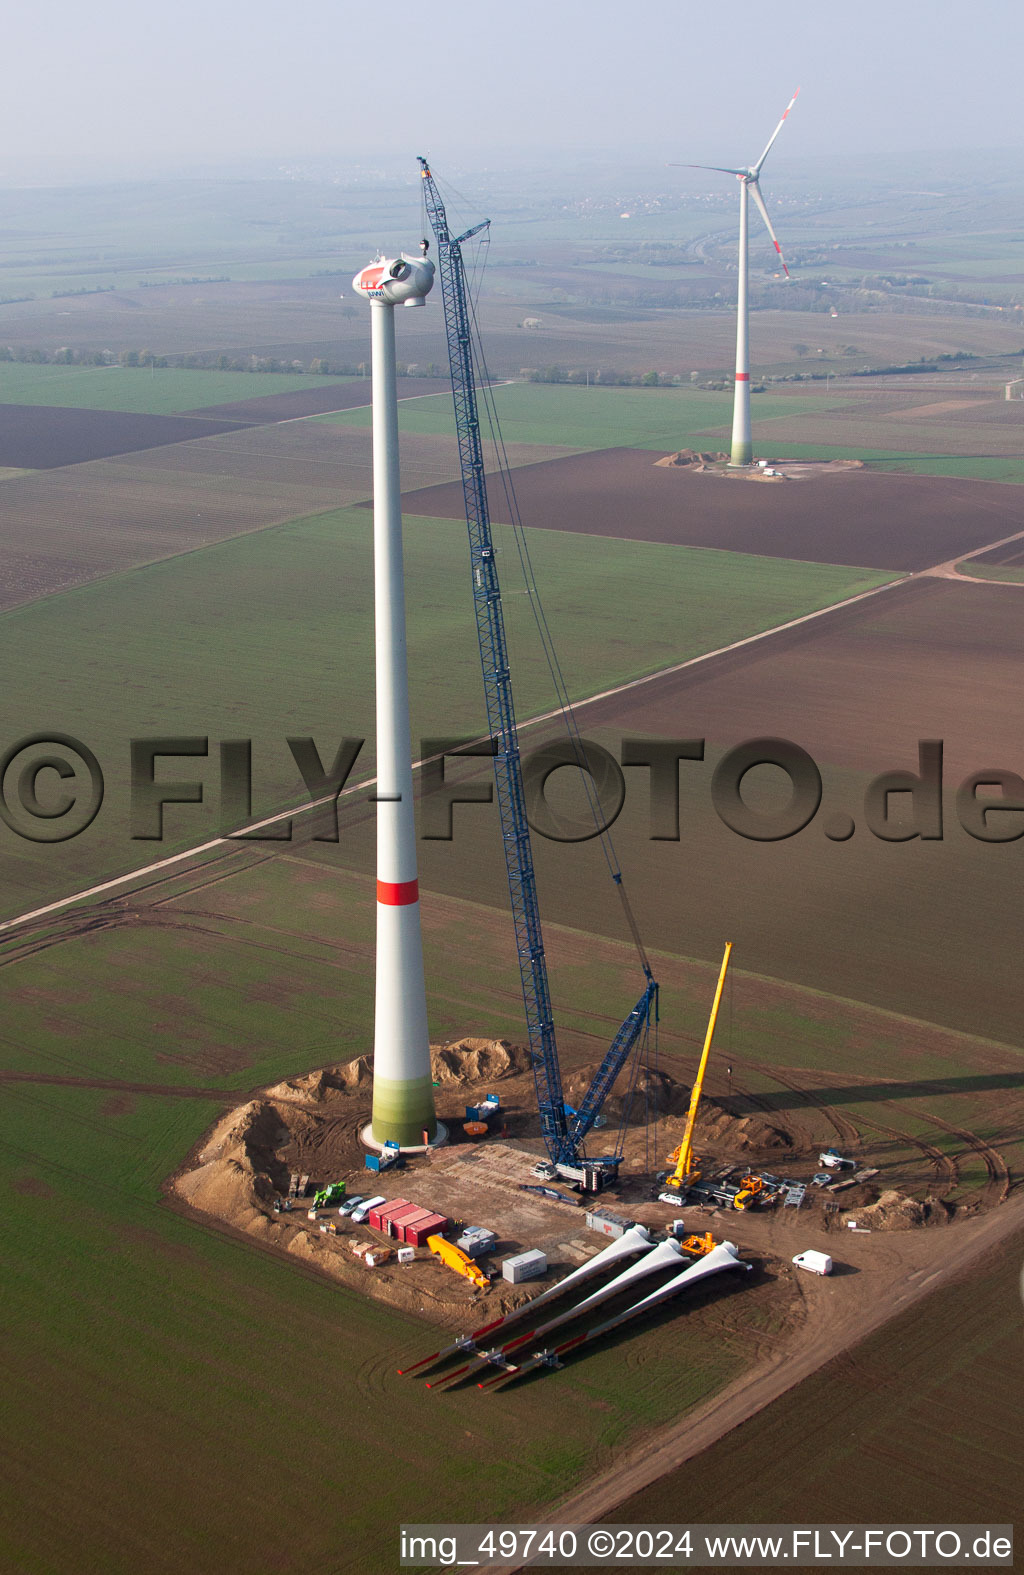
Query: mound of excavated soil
point(232, 1172)
point(463, 1061)
point(742, 1132)
point(327, 1081)
point(478, 1060)
point(893, 1211)
point(692, 456)
point(656, 1091)
point(239, 1166)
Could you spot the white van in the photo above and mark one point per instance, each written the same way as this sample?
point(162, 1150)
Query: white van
point(358, 1216)
point(814, 1262)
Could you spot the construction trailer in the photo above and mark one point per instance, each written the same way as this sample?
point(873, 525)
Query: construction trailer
point(476, 1241)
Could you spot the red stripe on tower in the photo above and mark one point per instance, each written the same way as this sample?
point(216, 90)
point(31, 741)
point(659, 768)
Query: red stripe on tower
point(743, 377)
point(398, 894)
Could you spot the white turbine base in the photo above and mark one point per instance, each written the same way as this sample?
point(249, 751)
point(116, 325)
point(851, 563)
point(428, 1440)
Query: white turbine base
point(368, 1140)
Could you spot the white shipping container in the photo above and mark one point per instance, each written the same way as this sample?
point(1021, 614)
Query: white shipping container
point(525, 1266)
point(607, 1223)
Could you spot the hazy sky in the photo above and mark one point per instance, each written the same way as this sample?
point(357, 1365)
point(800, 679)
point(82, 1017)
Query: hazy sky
point(113, 81)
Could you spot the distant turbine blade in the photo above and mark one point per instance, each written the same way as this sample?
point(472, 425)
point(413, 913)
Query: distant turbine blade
point(757, 167)
point(719, 167)
point(755, 192)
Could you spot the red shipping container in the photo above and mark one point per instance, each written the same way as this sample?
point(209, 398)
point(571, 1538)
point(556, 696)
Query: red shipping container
point(406, 1221)
point(377, 1215)
point(388, 1210)
point(417, 1233)
point(394, 1221)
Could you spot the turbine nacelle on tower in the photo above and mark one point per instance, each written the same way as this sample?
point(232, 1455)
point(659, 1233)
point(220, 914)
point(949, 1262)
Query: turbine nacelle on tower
point(750, 186)
point(750, 178)
point(397, 281)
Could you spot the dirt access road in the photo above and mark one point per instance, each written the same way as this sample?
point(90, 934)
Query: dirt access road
point(840, 1315)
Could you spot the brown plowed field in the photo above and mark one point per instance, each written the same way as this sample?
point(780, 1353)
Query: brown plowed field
point(65, 527)
point(874, 521)
point(37, 437)
point(931, 658)
point(318, 400)
point(924, 928)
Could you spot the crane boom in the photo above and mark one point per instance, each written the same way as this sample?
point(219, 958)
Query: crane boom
point(684, 1163)
point(563, 1142)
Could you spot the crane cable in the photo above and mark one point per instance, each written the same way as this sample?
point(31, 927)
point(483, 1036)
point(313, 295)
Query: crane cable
point(562, 697)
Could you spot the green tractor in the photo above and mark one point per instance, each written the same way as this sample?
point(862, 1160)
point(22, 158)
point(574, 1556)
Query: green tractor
point(335, 1193)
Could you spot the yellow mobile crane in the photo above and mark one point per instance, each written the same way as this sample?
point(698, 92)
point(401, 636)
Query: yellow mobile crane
point(687, 1170)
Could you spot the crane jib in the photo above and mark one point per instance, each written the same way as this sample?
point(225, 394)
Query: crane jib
point(563, 1141)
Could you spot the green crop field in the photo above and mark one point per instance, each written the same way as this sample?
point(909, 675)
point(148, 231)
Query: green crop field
point(661, 419)
point(176, 1395)
point(1005, 573)
point(158, 391)
point(233, 1374)
point(278, 642)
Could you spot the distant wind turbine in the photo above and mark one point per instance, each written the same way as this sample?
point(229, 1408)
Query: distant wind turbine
point(742, 449)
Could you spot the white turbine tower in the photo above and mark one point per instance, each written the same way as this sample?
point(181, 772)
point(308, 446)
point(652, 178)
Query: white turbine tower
point(403, 1096)
point(742, 449)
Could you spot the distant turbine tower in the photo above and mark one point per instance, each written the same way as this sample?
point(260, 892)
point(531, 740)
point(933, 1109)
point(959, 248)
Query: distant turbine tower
point(742, 449)
point(403, 1095)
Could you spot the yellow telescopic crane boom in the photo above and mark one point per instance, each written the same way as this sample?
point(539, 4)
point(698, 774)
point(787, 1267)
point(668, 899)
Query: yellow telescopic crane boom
point(685, 1169)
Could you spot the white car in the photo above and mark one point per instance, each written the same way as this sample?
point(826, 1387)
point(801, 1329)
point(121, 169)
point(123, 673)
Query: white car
point(675, 1198)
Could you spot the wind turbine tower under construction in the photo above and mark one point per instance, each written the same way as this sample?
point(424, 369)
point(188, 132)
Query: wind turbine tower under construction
point(749, 179)
point(403, 1095)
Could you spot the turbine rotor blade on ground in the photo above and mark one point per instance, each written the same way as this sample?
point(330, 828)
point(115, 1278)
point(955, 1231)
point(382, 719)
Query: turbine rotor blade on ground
point(635, 1240)
point(757, 167)
point(755, 192)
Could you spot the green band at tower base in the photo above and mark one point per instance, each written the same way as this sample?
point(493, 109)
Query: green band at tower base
point(742, 454)
point(402, 1112)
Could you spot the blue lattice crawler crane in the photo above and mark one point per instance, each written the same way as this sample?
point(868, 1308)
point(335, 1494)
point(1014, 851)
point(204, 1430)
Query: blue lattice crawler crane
point(564, 1135)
